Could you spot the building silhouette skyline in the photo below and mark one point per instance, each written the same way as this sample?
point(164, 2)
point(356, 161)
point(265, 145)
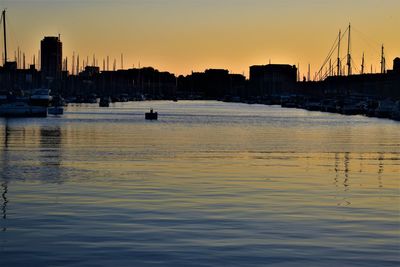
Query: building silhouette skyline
point(266, 84)
point(51, 58)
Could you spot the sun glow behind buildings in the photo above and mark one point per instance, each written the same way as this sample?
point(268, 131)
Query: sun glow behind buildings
point(183, 36)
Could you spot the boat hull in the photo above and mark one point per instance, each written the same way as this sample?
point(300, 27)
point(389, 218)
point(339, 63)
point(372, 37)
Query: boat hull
point(22, 110)
point(55, 110)
point(151, 116)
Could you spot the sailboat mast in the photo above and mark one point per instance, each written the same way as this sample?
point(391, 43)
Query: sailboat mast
point(338, 59)
point(362, 64)
point(5, 36)
point(383, 60)
point(77, 64)
point(73, 63)
point(348, 54)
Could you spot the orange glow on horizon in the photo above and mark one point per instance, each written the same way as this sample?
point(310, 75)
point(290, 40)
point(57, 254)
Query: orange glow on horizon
point(184, 36)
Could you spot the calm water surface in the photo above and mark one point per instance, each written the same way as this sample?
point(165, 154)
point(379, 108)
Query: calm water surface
point(209, 184)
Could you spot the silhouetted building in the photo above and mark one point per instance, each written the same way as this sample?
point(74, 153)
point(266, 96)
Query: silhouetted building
point(90, 71)
point(10, 65)
point(135, 83)
point(51, 59)
point(18, 80)
point(217, 83)
point(211, 84)
point(272, 79)
point(396, 65)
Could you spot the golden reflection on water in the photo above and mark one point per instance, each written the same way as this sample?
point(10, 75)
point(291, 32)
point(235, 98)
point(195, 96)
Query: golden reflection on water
point(284, 167)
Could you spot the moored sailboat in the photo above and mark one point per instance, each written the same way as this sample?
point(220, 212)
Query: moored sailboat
point(12, 106)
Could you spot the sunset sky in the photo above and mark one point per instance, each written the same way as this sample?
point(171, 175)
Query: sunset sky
point(191, 35)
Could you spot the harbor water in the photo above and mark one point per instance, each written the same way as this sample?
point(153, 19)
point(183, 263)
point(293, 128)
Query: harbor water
point(207, 184)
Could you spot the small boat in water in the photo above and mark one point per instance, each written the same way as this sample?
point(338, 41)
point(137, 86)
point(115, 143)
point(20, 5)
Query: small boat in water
point(40, 97)
point(3, 97)
point(13, 106)
point(384, 109)
point(57, 106)
point(22, 109)
point(104, 102)
point(58, 100)
point(151, 115)
point(56, 110)
point(396, 111)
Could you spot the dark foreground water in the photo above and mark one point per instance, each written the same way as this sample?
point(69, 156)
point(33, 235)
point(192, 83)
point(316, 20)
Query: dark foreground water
point(209, 184)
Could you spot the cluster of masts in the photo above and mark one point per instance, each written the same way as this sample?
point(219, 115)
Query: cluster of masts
point(78, 66)
point(18, 55)
point(328, 69)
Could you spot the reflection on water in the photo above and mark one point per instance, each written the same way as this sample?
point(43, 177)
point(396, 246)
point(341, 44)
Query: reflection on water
point(4, 189)
point(4, 177)
point(51, 153)
point(209, 184)
point(346, 170)
point(367, 163)
point(380, 171)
